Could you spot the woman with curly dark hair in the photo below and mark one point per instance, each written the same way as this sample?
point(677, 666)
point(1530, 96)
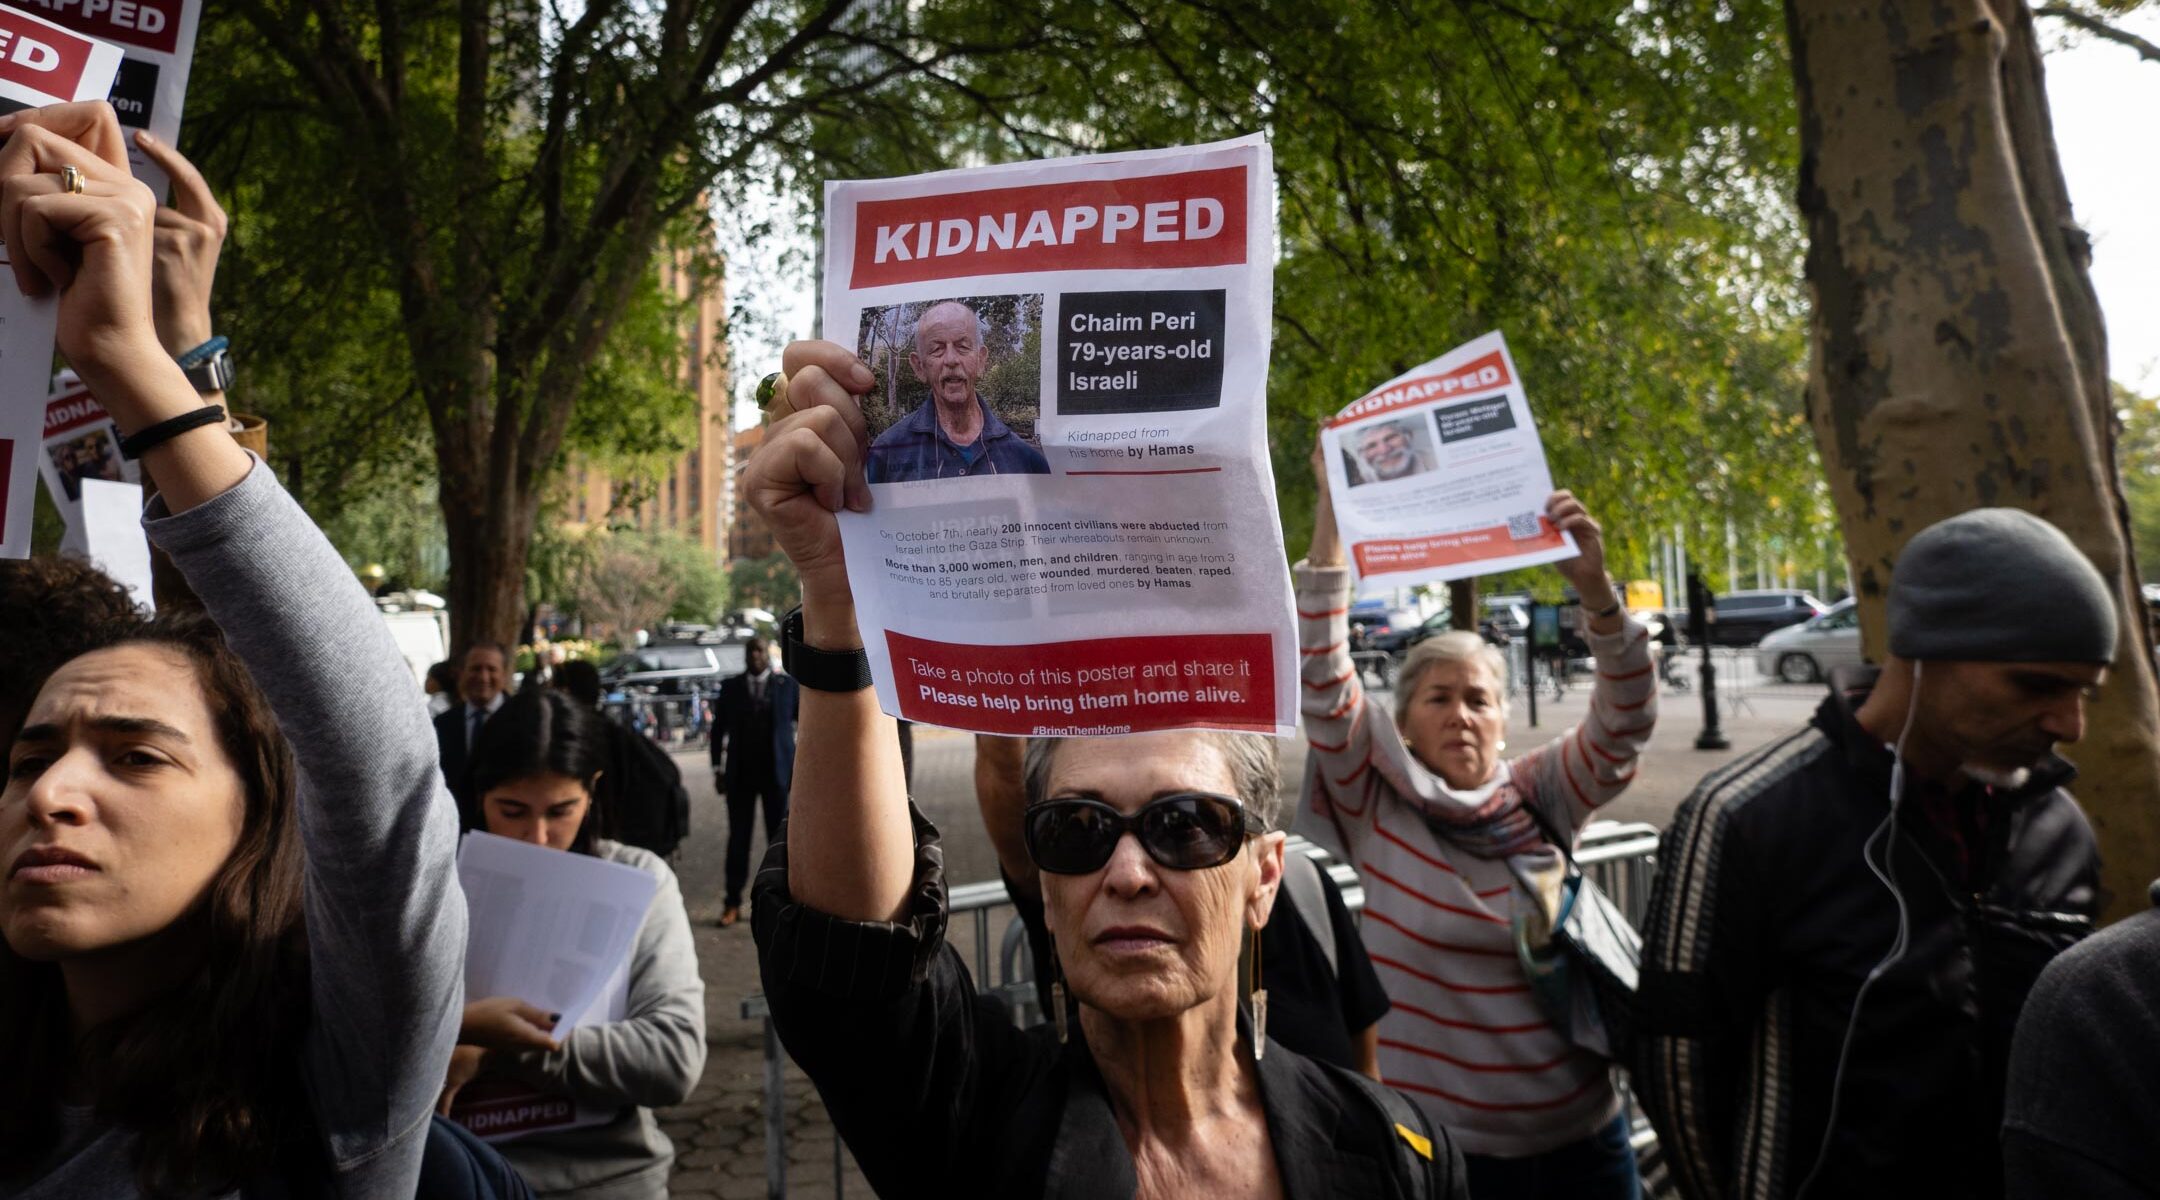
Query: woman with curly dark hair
point(232, 930)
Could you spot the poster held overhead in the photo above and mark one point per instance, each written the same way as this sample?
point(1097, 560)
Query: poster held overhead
point(1438, 474)
point(1073, 526)
point(40, 64)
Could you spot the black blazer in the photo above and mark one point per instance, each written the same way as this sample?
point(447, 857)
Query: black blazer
point(937, 1094)
point(456, 765)
point(731, 715)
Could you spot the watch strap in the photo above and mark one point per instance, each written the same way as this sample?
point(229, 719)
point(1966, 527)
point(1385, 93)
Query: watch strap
point(213, 373)
point(820, 670)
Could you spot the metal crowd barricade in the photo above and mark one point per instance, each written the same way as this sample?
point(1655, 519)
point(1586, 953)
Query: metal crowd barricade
point(1620, 858)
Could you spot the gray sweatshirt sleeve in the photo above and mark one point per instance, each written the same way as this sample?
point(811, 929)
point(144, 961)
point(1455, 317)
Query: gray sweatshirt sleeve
point(385, 918)
point(655, 1054)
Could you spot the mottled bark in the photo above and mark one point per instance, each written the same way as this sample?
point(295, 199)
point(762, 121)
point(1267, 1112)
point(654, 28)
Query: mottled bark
point(1959, 352)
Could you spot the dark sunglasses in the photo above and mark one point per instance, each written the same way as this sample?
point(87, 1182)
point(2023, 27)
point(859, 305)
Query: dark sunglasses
point(1189, 831)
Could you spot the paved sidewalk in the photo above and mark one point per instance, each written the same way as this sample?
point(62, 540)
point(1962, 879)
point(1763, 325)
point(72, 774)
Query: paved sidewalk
point(719, 1132)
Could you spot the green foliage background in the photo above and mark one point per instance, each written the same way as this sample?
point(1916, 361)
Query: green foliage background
point(1606, 181)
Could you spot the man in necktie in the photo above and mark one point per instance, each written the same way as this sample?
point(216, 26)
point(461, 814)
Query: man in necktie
point(753, 759)
point(483, 673)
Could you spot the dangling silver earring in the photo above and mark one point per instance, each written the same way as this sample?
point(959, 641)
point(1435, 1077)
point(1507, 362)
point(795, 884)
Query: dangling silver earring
point(1259, 1001)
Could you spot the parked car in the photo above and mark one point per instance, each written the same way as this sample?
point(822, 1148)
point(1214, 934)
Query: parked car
point(673, 670)
point(1808, 652)
point(1367, 626)
point(1398, 639)
point(1744, 618)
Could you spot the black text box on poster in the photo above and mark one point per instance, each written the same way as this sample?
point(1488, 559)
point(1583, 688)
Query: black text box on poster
point(1139, 352)
point(1474, 419)
point(134, 92)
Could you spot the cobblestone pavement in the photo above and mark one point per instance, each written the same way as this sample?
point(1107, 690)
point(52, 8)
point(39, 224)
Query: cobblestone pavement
point(719, 1133)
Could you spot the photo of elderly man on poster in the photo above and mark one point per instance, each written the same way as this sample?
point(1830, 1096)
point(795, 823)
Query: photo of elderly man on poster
point(1389, 450)
point(955, 431)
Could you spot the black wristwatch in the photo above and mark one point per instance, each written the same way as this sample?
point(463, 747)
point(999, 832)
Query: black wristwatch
point(214, 374)
point(820, 670)
point(209, 366)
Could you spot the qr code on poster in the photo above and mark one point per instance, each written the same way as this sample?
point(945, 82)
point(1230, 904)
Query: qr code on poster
point(1524, 526)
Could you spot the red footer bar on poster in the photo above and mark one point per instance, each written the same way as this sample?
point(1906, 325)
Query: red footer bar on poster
point(1105, 685)
point(1450, 549)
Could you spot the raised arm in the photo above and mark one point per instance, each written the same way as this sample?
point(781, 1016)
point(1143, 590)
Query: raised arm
point(386, 922)
point(1591, 764)
point(851, 852)
point(1338, 716)
point(849, 909)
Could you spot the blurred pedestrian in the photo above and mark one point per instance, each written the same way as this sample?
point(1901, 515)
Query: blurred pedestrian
point(483, 674)
point(441, 688)
point(753, 760)
point(1847, 921)
point(1463, 879)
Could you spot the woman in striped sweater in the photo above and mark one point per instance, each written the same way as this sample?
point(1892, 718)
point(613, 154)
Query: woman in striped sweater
point(1455, 866)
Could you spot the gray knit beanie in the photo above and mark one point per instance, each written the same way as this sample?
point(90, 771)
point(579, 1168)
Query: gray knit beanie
point(1999, 585)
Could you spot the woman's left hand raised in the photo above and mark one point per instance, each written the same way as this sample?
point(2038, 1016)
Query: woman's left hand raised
point(1586, 571)
point(92, 247)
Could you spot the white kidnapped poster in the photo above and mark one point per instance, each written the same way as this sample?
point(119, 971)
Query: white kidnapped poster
point(40, 64)
point(1073, 526)
point(1439, 474)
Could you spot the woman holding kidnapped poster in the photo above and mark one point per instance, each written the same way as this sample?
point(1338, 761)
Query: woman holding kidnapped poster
point(1159, 859)
point(230, 928)
point(1462, 880)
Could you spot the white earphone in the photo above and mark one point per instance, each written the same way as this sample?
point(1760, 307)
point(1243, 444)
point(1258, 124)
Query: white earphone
point(1887, 873)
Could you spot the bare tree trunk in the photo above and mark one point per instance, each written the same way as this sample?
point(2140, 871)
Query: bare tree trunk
point(1959, 354)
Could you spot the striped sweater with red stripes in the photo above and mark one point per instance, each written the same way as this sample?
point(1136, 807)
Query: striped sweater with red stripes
point(1465, 1039)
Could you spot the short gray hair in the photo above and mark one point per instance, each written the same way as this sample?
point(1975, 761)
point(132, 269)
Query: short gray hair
point(1255, 761)
point(1455, 646)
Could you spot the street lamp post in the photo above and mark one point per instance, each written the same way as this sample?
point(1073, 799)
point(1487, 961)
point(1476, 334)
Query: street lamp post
point(1701, 614)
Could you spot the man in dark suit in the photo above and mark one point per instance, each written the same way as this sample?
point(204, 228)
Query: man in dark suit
point(753, 758)
point(482, 675)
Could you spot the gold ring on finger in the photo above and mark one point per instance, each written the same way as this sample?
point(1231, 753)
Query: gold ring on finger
point(71, 179)
point(772, 396)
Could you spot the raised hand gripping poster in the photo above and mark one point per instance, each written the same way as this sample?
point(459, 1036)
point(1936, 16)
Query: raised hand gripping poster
point(1073, 526)
point(1438, 473)
point(157, 43)
point(40, 64)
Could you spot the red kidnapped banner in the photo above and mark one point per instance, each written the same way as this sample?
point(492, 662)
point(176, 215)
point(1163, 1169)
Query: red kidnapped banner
point(1451, 549)
point(1484, 375)
point(1127, 684)
point(35, 55)
point(1189, 219)
point(70, 412)
point(151, 24)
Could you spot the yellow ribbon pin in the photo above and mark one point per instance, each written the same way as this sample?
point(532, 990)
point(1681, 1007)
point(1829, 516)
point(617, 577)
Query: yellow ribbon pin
point(1418, 1141)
